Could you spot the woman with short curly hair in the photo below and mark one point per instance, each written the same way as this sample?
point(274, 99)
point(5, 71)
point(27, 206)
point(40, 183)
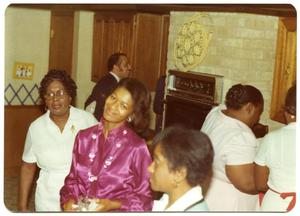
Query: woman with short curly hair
point(50, 140)
point(64, 78)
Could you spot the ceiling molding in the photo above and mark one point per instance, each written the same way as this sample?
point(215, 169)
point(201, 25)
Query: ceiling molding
point(284, 10)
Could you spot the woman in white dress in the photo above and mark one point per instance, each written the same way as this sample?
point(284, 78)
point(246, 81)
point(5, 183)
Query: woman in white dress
point(49, 142)
point(275, 163)
point(229, 127)
point(182, 161)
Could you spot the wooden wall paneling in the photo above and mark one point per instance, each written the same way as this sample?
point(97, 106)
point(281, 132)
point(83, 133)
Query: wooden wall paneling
point(142, 36)
point(148, 47)
point(61, 40)
point(98, 41)
point(16, 123)
point(285, 66)
point(112, 33)
point(164, 51)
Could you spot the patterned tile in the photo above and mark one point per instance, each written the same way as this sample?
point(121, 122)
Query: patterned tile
point(21, 95)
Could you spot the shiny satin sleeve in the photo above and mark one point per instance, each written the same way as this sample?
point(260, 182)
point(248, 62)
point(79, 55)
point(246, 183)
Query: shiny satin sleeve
point(71, 190)
point(140, 198)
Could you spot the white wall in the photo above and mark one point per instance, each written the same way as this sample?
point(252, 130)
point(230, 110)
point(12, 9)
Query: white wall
point(27, 35)
point(83, 55)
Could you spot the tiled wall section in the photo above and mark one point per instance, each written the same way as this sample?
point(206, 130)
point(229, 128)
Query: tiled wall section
point(22, 94)
point(242, 50)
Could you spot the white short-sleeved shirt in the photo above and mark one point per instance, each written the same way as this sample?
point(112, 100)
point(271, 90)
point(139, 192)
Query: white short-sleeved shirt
point(233, 141)
point(52, 151)
point(234, 144)
point(277, 151)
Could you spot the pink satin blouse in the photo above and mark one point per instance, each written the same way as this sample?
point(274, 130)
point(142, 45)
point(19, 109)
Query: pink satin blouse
point(111, 168)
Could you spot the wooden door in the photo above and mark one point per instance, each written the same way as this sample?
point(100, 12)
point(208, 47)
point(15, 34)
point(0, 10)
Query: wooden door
point(285, 68)
point(150, 47)
point(61, 40)
point(113, 32)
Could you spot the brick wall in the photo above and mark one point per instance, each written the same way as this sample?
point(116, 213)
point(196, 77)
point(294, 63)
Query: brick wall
point(242, 49)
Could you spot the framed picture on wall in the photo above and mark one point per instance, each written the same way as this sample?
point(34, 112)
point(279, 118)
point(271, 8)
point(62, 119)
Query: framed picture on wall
point(23, 70)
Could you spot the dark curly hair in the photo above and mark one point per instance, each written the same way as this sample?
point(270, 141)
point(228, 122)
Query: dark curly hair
point(187, 148)
point(141, 104)
point(239, 95)
point(113, 59)
point(291, 100)
point(64, 78)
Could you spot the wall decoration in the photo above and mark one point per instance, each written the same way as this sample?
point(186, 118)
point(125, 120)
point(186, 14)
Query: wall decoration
point(23, 71)
point(192, 41)
point(22, 95)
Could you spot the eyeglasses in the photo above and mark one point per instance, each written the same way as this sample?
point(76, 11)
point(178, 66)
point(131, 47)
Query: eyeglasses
point(58, 94)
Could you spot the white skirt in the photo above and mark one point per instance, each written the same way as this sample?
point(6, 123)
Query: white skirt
point(47, 196)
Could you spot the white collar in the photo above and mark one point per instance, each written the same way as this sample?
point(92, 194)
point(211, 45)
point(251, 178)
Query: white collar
point(115, 76)
point(190, 197)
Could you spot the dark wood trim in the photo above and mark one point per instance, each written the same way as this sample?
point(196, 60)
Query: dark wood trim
point(17, 119)
point(284, 10)
point(285, 66)
point(21, 107)
point(264, 9)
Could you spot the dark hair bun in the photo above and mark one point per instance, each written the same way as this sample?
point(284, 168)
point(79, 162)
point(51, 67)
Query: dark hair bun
point(239, 95)
point(234, 95)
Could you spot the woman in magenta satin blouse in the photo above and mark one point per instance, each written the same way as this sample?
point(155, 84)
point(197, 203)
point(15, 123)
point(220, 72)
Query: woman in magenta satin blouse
point(109, 162)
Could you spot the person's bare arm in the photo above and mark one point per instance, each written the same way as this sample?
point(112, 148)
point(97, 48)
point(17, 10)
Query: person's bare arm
point(27, 173)
point(261, 176)
point(242, 177)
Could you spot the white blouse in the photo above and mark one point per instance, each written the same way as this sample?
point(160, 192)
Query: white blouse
point(52, 149)
point(278, 152)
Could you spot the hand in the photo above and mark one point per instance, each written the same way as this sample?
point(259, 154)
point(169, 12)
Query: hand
point(70, 205)
point(107, 204)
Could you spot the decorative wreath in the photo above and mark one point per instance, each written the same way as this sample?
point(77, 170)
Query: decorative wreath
point(191, 43)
